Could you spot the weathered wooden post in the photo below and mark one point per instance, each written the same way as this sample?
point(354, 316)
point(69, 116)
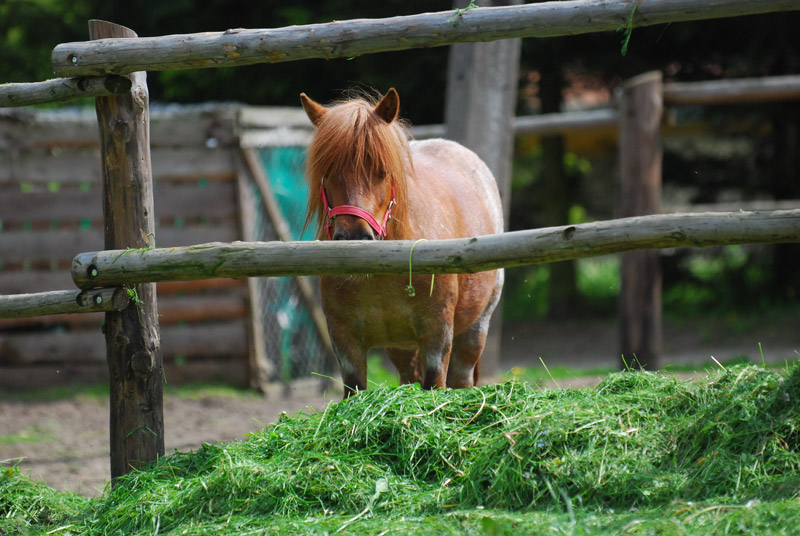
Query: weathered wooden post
point(640, 155)
point(479, 113)
point(132, 339)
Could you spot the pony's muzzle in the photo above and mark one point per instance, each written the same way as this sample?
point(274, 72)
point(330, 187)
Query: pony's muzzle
point(375, 230)
point(352, 228)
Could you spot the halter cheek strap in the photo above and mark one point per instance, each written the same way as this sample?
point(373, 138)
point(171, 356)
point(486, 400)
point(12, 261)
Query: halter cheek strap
point(379, 228)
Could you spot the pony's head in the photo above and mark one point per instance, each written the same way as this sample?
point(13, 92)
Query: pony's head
point(356, 167)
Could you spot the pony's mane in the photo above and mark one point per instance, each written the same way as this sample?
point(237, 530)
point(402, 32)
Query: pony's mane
point(349, 137)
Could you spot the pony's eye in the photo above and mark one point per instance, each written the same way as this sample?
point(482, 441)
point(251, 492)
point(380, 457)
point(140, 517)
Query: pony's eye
point(381, 174)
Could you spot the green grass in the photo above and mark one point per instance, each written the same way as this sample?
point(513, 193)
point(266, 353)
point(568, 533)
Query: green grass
point(540, 375)
point(32, 434)
point(642, 453)
point(92, 391)
point(378, 374)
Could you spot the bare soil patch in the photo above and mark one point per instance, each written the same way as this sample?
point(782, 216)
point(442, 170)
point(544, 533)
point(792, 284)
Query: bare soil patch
point(64, 442)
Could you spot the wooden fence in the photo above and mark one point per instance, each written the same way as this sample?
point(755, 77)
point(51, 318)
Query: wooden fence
point(205, 188)
point(195, 149)
point(132, 340)
point(50, 208)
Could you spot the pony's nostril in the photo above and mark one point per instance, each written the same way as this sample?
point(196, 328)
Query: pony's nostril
point(354, 235)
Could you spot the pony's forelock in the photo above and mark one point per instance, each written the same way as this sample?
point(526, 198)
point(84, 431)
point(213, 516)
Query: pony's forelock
point(350, 138)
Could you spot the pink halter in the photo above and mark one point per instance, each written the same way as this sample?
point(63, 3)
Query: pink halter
point(379, 228)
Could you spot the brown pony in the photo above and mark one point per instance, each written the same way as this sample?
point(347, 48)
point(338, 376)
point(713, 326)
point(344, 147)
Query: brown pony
point(367, 182)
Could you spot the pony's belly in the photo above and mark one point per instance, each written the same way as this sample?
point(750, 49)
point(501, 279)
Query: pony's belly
point(375, 311)
point(386, 327)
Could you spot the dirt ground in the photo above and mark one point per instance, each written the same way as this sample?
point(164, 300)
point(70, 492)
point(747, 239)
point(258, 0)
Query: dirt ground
point(64, 442)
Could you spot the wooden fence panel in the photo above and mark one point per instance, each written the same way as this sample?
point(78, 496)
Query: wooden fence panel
point(30, 281)
point(58, 246)
point(178, 343)
point(81, 165)
point(184, 201)
point(51, 209)
point(196, 126)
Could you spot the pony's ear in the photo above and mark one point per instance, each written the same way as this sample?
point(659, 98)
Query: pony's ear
point(389, 106)
point(314, 110)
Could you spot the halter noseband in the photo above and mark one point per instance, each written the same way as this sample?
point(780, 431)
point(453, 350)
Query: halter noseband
point(379, 228)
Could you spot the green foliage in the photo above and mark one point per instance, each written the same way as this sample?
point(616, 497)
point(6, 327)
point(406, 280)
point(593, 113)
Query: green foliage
point(30, 29)
point(460, 12)
point(527, 289)
point(599, 280)
point(528, 168)
point(627, 31)
point(641, 452)
point(378, 374)
point(27, 32)
point(718, 281)
point(730, 281)
point(526, 293)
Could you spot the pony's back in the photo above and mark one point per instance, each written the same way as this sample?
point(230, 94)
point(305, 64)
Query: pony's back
point(454, 194)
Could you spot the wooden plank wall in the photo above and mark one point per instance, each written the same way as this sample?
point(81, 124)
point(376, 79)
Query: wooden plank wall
point(50, 210)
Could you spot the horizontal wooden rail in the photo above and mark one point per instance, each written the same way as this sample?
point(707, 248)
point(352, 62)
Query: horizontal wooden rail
point(542, 124)
point(351, 38)
point(253, 259)
point(63, 301)
point(566, 122)
point(730, 91)
point(735, 90)
point(62, 89)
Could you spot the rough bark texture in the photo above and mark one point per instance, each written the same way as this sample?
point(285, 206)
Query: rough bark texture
point(640, 178)
point(773, 88)
point(62, 89)
point(519, 248)
point(63, 302)
point(132, 339)
point(356, 37)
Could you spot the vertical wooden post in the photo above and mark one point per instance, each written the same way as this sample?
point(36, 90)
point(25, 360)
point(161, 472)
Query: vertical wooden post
point(259, 368)
point(640, 155)
point(479, 112)
point(132, 338)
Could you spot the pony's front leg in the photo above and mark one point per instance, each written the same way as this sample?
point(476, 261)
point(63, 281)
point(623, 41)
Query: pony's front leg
point(436, 350)
point(352, 361)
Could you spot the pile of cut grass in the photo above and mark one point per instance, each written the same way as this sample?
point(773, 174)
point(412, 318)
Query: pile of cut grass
point(639, 453)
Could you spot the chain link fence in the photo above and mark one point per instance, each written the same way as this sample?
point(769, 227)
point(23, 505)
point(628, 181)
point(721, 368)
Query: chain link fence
point(294, 345)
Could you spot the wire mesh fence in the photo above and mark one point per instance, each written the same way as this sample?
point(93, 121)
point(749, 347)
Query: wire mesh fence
point(293, 343)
